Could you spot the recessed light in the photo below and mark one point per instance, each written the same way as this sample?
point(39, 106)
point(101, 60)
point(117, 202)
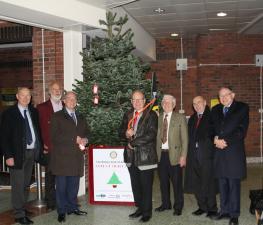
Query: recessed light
point(221, 14)
point(159, 10)
point(174, 34)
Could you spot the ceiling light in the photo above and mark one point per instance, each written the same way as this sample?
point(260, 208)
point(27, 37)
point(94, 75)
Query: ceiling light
point(159, 10)
point(174, 34)
point(221, 14)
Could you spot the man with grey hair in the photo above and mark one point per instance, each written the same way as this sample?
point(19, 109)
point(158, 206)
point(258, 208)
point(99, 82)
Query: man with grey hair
point(46, 110)
point(21, 144)
point(172, 142)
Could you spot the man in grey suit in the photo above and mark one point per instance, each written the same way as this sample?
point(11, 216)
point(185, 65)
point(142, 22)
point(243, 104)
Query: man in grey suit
point(172, 142)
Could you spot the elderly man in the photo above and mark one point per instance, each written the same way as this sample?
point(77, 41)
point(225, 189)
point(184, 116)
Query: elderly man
point(140, 153)
point(68, 138)
point(199, 176)
point(21, 144)
point(172, 141)
point(45, 110)
point(230, 119)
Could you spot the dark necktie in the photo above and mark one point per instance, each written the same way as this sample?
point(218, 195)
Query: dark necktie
point(165, 128)
point(29, 138)
point(225, 110)
point(199, 117)
point(74, 117)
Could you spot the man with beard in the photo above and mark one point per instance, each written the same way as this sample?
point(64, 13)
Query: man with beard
point(46, 110)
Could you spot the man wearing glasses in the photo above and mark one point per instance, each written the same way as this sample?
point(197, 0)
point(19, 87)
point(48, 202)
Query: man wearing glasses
point(140, 153)
point(230, 119)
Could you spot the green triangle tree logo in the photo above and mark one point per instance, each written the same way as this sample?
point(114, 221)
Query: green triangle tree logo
point(114, 180)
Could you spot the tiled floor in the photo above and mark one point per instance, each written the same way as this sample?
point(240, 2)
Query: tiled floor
point(115, 215)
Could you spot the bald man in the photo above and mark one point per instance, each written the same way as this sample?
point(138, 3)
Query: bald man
point(199, 178)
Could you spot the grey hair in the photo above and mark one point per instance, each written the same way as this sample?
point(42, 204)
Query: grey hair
point(171, 97)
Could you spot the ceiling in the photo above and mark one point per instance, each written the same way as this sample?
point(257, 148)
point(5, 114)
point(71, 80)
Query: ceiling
point(191, 17)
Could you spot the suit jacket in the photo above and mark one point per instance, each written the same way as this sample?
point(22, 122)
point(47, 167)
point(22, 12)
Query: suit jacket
point(203, 136)
point(177, 137)
point(13, 134)
point(231, 162)
point(45, 111)
point(66, 157)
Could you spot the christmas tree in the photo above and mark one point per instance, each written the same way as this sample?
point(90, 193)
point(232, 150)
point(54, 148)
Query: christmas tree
point(111, 66)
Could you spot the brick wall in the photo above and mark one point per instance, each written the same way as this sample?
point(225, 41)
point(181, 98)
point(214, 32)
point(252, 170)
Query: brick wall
point(224, 48)
point(53, 48)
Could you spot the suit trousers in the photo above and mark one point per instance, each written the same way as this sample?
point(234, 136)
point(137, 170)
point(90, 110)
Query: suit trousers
point(20, 183)
point(229, 196)
point(168, 172)
point(205, 188)
point(142, 184)
point(50, 190)
point(67, 188)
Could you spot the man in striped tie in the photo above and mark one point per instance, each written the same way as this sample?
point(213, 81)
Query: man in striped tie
point(172, 141)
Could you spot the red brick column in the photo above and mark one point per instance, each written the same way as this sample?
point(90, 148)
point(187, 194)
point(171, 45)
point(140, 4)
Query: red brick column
point(53, 47)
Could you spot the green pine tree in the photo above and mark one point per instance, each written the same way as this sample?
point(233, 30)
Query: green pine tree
point(111, 65)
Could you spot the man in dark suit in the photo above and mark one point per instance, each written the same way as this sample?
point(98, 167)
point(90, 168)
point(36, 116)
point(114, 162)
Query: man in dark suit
point(21, 144)
point(230, 119)
point(172, 142)
point(45, 110)
point(199, 176)
point(140, 153)
point(69, 133)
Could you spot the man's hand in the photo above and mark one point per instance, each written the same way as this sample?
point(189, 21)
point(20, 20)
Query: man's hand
point(220, 143)
point(129, 133)
point(10, 162)
point(45, 149)
point(182, 161)
point(81, 142)
point(129, 146)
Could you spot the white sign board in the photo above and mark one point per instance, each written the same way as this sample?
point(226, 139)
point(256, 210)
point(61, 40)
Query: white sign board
point(111, 179)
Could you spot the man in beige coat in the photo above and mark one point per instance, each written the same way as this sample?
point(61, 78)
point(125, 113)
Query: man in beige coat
point(172, 142)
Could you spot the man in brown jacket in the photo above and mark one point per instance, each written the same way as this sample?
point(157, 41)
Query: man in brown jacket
point(68, 137)
point(172, 142)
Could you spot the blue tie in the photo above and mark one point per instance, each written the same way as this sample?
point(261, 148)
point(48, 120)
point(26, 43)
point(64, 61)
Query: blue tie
point(225, 110)
point(74, 118)
point(29, 138)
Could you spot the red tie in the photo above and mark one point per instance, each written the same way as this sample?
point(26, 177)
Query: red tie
point(165, 128)
point(135, 118)
point(199, 117)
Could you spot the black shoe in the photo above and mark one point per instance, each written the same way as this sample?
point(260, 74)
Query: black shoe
point(29, 213)
point(78, 212)
point(136, 214)
point(162, 208)
point(220, 216)
point(61, 218)
point(23, 220)
point(50, 208)
point(145, 219)
point(177, 212)
point(198, 212)
point(233, 221)
point(211, 214)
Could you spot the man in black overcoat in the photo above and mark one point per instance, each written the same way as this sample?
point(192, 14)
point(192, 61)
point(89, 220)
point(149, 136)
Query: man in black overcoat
point(199, 177)
point(230, 119)
point(21, 144)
